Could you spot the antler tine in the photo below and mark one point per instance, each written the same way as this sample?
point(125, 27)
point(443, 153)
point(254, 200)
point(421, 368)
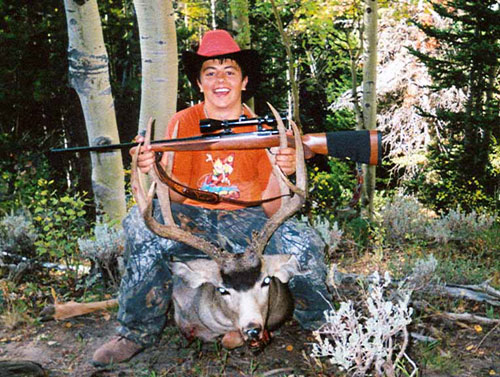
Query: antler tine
point(169, 230)
point(136, 184)
point(283, 180)
point(259, 240)
point(163, 190)
point(175, 233)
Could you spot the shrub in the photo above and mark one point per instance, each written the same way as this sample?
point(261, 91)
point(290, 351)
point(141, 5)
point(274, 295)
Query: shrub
point(359, 343)
point(104, 249)
point(59, 220)
point(458, 226)
point(404, 218)
point(17, 235)
point(331, 234)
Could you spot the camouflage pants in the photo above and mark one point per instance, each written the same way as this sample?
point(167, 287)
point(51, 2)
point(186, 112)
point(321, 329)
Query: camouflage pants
point(146, 286)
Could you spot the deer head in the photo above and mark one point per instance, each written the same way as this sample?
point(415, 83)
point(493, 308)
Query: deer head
point(237, 286)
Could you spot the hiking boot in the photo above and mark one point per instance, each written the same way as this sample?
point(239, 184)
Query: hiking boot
point(117, 350)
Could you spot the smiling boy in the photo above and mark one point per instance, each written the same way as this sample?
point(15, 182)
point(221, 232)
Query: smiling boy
point(224, 74)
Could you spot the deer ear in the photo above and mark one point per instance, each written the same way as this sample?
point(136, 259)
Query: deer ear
point(197, 272)
point(283, 267)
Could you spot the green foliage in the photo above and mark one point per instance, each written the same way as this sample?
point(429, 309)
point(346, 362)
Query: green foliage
point(18, 171)
point(444, 185)
point(60, 221)
point(461, 170)
point(330, 190)
point(432, 358)
point(14, 309)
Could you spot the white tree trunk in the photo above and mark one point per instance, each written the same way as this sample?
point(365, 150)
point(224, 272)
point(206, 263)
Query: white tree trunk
point(241, 23)
point(159, 63)
point(89, 76)
point(370, 93)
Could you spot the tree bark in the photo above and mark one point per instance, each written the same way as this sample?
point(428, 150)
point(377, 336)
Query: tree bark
point(89, 76)
point(241, 23)
point(370, 94)
point(159, 63)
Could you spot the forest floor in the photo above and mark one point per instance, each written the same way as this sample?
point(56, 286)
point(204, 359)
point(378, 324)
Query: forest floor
point(65, 348)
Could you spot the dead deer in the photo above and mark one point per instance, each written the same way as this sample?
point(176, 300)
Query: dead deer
point(238, 296)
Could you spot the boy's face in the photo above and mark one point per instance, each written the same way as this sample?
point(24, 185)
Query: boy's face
point(221, 83)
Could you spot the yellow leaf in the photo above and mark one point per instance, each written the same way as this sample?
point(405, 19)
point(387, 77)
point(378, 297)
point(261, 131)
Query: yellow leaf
point(289, 348)
point(469, 347)
point(478, 328)
point(492, 372)
point(54, 294)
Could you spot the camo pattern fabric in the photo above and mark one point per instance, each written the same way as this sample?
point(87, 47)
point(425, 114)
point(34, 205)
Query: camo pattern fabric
point(146, 285)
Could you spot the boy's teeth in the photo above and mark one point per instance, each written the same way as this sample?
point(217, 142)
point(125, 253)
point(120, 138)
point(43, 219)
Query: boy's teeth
point(221, 90)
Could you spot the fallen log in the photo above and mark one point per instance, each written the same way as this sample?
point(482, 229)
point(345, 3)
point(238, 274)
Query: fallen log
point(483, 292)
point(479, 293)
point(21, 368)
point(468, 317)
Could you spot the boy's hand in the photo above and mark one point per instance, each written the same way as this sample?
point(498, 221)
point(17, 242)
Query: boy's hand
point(146, 157)
point(285, 159)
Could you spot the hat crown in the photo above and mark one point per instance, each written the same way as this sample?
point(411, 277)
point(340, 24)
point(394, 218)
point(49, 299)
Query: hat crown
point(217, 42)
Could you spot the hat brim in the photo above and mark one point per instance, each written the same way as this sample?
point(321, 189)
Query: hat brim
point(248, 60)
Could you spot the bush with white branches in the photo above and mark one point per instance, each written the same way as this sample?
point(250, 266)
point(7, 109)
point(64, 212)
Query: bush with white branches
point(360, 344)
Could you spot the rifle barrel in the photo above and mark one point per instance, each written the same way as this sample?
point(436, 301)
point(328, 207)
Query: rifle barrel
point(95, 148)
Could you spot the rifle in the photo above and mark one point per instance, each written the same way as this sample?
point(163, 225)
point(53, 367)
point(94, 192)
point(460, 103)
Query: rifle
point(359, 146)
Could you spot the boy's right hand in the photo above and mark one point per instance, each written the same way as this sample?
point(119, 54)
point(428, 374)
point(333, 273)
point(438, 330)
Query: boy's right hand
point(146, 156)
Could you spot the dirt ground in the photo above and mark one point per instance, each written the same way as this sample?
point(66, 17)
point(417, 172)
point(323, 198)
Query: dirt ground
point(65, 349)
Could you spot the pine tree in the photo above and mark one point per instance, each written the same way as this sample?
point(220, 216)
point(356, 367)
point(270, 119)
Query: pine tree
point(467, 58)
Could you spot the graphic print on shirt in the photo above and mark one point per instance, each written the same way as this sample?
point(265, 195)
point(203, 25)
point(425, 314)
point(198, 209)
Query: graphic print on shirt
point(218, 180)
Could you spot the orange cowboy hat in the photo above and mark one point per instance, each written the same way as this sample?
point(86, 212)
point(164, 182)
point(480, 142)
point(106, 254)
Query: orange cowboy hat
point(219, 44)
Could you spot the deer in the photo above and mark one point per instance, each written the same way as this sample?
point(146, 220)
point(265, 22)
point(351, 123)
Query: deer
point(239, 297)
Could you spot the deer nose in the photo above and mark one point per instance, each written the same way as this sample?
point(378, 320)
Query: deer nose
point(254, 333)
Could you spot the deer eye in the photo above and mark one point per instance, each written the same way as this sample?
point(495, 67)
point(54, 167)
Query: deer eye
point(222, 291)
point(266, 281)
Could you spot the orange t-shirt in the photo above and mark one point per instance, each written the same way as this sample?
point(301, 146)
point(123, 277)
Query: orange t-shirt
point(237, 174)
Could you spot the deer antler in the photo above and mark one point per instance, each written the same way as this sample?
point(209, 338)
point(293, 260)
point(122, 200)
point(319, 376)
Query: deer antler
point(168, 230)
point(288, 205)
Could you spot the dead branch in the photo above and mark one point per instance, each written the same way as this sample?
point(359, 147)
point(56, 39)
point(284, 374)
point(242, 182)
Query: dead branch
point(488, 334)
point(480, 293)
point(277, 371)
point(468, 317)
point(477, 292)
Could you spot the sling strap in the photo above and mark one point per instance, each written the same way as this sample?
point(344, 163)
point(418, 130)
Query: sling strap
point(202, 195)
